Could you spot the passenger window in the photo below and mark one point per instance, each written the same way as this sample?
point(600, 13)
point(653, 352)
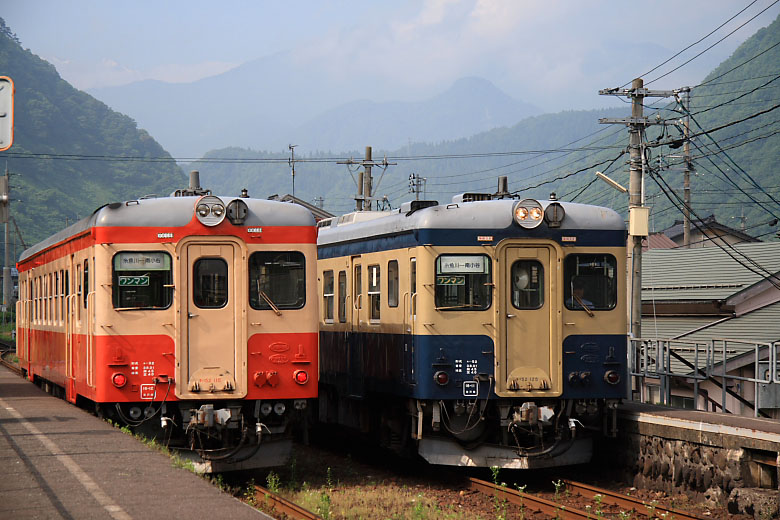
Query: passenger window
point(374, 296)
point(392, 283)
point(342, 296)
point(590, 282)
point(358, 287)
point(463, 283)
point(142, 280)
point(209, 283)
point(413, 286)
point(277, 280)
point(527, 284)
point(86, 282)
point(327, 295)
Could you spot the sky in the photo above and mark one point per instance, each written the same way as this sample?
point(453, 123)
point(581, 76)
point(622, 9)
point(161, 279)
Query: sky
point(554, 54)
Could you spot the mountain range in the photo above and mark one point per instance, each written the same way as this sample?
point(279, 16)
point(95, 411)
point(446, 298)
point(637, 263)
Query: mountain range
point(266, 105)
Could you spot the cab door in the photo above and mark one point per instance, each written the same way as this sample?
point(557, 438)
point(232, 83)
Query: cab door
point(530, 326)
point(211, 346)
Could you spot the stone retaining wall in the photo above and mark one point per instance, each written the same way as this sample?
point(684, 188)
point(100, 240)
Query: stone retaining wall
point(712, 468)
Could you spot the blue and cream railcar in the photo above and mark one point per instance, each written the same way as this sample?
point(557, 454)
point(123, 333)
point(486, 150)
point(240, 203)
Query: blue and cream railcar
point(476, 333)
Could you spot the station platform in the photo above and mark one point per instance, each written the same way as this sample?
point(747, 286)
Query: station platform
point(58, 461)
point(699, 426)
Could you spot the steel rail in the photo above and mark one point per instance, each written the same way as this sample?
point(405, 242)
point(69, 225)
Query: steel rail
point(284, 506)
point(10, 366)
point(628, 502)
point(530, 501)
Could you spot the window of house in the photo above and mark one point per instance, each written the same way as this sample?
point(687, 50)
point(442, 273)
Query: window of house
point(142, 280)
point(328, 295)
point(392, 283)
point(342, 296)
point(374, 292)
point(277, 280)
point(463, 282)
point(590, 282)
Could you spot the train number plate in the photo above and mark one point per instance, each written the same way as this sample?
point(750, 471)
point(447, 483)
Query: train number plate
point(470, 389)
point(147, 392)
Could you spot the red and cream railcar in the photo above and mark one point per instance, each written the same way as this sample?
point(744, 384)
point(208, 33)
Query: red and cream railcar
point(190, 317)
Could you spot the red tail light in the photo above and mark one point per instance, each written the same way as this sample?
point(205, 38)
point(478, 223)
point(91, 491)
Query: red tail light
point(119, 379)
point(301, 377)
point(612, 377)
point(441, 377)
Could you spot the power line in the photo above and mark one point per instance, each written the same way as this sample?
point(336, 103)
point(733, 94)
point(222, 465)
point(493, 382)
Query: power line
point(714, 44)
point(694, 43)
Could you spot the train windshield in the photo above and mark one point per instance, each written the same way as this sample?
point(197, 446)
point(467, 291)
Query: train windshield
point(590, 282)
point(142, 280)
point(463, 282)
point(277, 278)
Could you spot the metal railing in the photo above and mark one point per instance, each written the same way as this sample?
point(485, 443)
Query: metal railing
point(717, 360)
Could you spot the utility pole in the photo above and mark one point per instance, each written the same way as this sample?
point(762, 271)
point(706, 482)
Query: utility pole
point(291, 162)
point(638, 213)
point(364, 196)
point(5, 202)
point(416, 185)
point(685, 102)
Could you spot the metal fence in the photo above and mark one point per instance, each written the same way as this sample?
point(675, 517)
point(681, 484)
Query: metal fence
point(662, 362)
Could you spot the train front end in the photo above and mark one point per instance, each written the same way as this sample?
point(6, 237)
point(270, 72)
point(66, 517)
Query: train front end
point(521, 359)
point(202, 332)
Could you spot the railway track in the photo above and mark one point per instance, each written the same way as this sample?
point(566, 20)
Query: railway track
point(628, 503)
point(6, 349)
point(531, 502)
point(283, 506)
point(556, 510)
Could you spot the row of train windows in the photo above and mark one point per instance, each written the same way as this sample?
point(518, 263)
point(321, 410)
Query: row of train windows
point(144, 280)
point(48, 293)
point(465, 282)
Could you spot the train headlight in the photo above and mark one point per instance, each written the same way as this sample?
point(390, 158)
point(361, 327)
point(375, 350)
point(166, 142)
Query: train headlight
point(279, 408)
point(210, 210)
point(266, 408)
point(119, 379)
point(529, 213)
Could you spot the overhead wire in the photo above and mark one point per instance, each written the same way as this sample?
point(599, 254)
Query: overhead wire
point(714, 44)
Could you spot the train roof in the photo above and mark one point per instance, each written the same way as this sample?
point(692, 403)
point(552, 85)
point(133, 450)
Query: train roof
point(484, 217)
point(174, 212)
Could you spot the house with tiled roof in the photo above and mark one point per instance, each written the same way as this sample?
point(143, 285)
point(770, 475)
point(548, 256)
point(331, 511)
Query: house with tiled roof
point(718, 309)
point(707, 232)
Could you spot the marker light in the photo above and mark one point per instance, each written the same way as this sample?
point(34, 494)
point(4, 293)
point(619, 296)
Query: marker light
point(119, 379)
point(301, 377)
point(529, 213)
point(612, 377)
point(441, 377)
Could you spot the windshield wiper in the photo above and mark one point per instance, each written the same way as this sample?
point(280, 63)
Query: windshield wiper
point(268, 299)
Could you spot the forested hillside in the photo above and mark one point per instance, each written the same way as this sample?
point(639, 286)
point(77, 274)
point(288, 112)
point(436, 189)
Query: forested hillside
point(547, 153)
point(65, 159)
